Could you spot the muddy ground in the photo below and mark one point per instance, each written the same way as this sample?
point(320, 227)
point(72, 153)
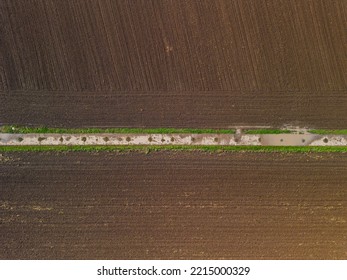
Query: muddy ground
point(173, 205)
point(173, 63)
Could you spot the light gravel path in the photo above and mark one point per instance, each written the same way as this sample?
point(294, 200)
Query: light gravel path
point(174, 139)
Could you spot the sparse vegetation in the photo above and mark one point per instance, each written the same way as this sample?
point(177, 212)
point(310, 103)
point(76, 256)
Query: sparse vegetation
point(323, 131)
point(216, 148)
point(268, 131)
point(27, 129)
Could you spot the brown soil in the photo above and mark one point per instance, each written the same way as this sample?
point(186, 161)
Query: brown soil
point(173, 63)
point(173, 205)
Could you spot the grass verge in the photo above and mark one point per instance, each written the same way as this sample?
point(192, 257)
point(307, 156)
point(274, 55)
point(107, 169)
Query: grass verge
point(283, 149)
point(26, 129)
point(323, 131)
point(267, 131)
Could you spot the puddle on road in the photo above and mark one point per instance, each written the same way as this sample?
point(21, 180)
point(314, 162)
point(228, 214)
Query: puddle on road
point(287, 139)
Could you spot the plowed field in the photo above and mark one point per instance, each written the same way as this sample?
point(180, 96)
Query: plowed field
point(175, 63)
point(173, 205)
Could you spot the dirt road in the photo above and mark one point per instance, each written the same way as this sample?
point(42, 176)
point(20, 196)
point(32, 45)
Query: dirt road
point(173, 205)
point(173, 63)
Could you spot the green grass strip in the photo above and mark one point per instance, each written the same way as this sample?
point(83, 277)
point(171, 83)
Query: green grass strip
point(267, 131)
point(26, 129)
point(283, 149)
point(323, 131)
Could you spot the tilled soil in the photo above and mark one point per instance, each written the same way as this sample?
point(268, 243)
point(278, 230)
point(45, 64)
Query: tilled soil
point(210, 63)
point(173, 205)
